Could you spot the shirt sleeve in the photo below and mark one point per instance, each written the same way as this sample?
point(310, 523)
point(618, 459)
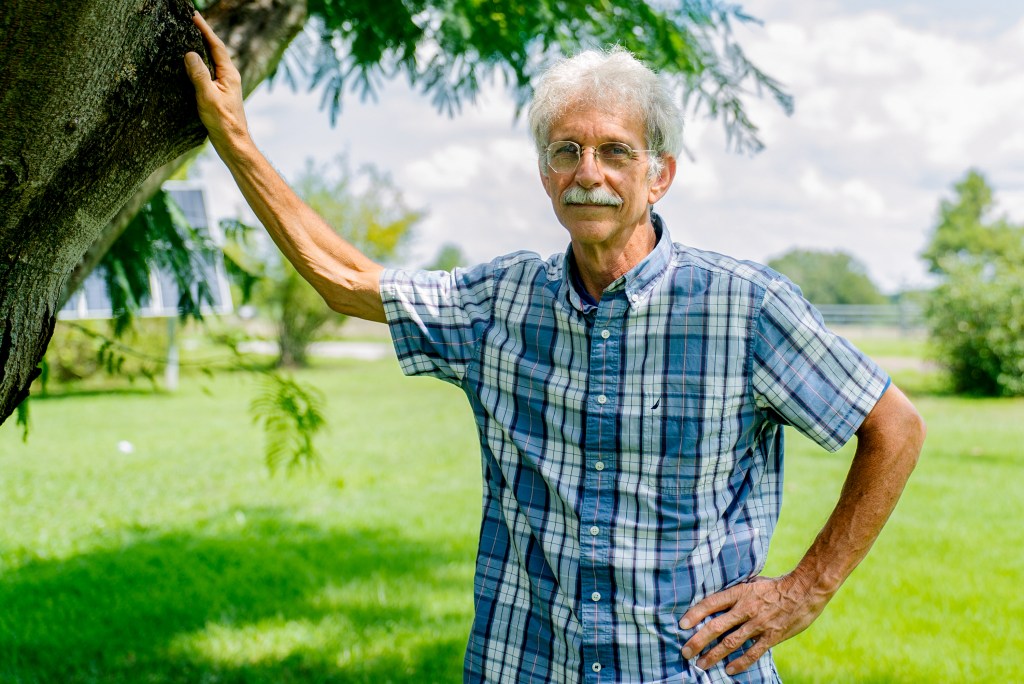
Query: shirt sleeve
point(436, 318)
point(805, 375)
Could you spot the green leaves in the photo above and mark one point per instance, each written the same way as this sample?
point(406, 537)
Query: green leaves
point(160, 236)
point(967, 233)
point(448, 48)
point(828, 277)
point(976, 314)
point(291, 415)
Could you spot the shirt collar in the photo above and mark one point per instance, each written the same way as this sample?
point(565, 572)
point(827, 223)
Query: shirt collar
point(637, 282)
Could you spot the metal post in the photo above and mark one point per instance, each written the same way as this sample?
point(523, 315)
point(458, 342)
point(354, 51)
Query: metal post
point(171, 369)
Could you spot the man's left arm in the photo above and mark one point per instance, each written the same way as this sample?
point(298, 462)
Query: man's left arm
point(771, 610)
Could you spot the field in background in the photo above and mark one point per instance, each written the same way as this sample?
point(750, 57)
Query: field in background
point(180, 559)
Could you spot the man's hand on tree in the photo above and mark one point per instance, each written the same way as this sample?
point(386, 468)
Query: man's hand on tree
point(220, 99)
point(765, 610)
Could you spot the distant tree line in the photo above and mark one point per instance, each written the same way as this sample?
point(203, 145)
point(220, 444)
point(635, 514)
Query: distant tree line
point(975, 314)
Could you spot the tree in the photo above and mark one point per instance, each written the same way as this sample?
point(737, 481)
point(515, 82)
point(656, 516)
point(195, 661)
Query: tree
point(364, 207)
point(449, 256)
point(976, 314)
point(97, 110)
point(828, 277)
point(967, 233)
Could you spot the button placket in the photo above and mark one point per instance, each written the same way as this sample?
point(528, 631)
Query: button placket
point(598, 486)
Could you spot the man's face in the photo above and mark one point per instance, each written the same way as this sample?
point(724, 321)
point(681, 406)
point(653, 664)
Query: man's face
point(602, 225)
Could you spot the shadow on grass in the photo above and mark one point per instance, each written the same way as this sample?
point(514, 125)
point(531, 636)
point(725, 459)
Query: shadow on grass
point(145, 612)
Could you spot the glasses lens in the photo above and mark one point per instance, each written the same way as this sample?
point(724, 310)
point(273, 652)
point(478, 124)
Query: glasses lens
point(563, 156)
point(615, 154)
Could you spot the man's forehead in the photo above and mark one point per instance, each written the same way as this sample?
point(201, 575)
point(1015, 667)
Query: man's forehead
point(592, 119)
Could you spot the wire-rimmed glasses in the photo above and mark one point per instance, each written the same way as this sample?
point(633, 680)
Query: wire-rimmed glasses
point(563, 156)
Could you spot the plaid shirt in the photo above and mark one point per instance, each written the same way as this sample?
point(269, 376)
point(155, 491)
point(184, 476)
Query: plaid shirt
point(632, 451)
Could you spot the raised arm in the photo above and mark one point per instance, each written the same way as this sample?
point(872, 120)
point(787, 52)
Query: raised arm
point(344, 277)
point(770, 610)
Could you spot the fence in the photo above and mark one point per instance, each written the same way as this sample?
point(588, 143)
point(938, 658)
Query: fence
point(906, 317)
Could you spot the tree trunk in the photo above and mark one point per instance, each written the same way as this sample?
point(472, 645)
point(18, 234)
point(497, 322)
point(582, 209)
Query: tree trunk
point(93, 99)
point(257, 33)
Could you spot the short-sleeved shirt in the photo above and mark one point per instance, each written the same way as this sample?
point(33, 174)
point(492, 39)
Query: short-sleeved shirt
point(632, 450)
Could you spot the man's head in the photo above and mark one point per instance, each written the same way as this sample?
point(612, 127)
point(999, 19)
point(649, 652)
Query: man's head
point(613, 80)
point(607, 132)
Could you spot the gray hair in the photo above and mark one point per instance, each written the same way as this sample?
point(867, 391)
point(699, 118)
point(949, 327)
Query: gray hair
point(616, 78)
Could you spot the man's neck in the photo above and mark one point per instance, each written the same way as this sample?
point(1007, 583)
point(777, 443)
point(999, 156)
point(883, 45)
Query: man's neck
point(598, 266)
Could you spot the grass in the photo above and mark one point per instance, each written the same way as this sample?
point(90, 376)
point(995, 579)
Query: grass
point(184, 561)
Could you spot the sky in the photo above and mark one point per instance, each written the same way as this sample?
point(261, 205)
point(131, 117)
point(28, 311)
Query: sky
point(895, 101)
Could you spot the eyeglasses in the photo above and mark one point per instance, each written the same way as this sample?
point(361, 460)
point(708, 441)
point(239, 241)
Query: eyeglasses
point(563, 156)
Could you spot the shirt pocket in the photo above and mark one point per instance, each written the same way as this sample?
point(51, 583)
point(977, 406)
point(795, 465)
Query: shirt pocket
point(669, 455)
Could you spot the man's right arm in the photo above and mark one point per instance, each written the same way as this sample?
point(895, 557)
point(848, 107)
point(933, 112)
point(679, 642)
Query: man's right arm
point(344, 277)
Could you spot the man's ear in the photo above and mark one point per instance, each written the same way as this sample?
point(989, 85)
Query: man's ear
point(661, 184)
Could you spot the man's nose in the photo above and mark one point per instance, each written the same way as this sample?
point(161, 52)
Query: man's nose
point(588, 173)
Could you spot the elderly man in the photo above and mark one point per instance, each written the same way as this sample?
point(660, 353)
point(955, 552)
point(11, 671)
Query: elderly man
point(629, 394)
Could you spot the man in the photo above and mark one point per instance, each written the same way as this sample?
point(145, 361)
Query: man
point(630, 396)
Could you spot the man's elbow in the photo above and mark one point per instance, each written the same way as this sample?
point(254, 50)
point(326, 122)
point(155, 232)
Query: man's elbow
point(895, 426)
point(911, 427)
point(917, 431)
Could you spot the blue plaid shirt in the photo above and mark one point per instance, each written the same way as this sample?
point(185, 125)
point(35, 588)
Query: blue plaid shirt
point(632, 451)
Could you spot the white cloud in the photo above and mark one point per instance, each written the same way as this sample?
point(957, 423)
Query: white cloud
point(454, 167)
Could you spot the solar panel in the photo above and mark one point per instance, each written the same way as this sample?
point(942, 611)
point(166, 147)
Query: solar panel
point(92, 302)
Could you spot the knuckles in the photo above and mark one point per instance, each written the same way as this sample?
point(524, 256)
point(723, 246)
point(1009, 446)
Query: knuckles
point(732, 642)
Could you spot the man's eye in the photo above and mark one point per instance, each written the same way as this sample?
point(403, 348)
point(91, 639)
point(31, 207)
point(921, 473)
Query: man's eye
point(616, 151)
point(567, 149)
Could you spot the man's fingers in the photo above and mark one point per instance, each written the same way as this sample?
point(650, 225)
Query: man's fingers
point(714, 603)
point(711, 631)
point(727, 645)
point(196, 69)
point(758, 649)
point(218, 51)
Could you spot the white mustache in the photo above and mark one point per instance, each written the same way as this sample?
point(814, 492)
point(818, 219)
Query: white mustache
point(600, 196)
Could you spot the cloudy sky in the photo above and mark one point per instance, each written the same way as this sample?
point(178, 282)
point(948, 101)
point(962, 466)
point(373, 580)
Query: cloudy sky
point(895, 101)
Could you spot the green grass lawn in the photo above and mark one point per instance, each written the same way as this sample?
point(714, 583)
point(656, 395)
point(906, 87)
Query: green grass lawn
point(184, 561)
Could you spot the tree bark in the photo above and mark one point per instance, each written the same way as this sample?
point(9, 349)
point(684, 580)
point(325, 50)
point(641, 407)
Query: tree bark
point(257, 33)
point(93, 100)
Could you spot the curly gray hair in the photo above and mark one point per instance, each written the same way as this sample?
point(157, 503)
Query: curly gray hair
point(615, 78)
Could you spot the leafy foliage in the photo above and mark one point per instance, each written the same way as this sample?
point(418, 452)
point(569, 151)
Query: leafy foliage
point(976, 315)
point(976, 321)
point(967, 233)
point(828, 277)
point(22, 419)
point(448, 48)
point(449, 256)
point(291, 415)
point(79, 350)
point(160, 236)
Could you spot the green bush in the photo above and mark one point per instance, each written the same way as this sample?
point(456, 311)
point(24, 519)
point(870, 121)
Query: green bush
point(976, 322)
point(976, 314)
point(80, 350)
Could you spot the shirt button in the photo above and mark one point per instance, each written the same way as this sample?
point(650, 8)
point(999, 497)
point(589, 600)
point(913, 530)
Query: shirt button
point(596, 596)
point(595, 530)
point(635, 298)
point(606, 333)
point(596, 667)
point(599, 465)
point(601, 399)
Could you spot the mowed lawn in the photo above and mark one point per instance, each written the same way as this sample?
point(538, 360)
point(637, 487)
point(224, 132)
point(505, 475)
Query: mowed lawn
point(185, 561)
